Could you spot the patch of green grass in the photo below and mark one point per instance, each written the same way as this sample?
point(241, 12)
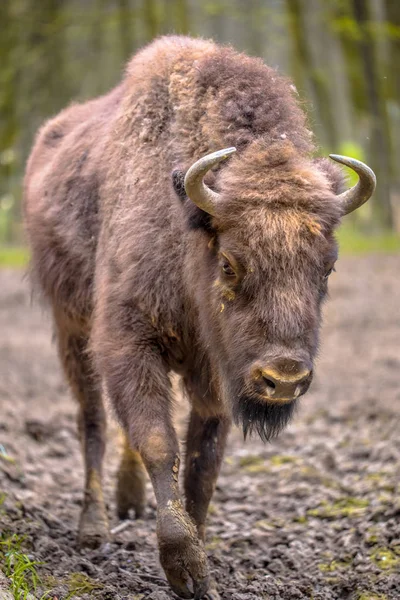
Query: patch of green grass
point(19, 569)
point(344, 507)
point(385, 559)
point(3, 497)
point(354, 241)
point(15, 257)
point(270, 525)
point(371, 596)
point(257, 464)
point(334, 565)
point(253, 464)
point(282, 459)
point(251, 460)
point(79, 583)
point(372, 539)
point(302, 519)
point(76, 584)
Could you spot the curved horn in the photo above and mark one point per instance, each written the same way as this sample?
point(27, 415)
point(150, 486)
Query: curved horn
point(196, 189)
point(364, 188)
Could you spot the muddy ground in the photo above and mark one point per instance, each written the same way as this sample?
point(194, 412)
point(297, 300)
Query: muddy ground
point(315, 514)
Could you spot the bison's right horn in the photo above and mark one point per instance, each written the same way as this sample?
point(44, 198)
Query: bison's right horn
point(196, 189)
point(364, 188)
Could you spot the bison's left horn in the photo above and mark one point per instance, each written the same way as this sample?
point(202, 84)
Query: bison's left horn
point(196, 189)
point(364, 188)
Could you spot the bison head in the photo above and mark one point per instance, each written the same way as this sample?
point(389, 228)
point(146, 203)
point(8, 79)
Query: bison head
point(262, 275)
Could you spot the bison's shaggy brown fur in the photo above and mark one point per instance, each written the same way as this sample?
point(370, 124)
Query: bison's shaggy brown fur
point(132, 269)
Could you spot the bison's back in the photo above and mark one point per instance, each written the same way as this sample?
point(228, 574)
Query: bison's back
point(61, 202)
point(180, 98)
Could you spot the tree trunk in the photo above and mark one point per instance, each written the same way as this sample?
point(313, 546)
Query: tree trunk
point(125, 32)
point(317, 80)
point(10, 162)
point(380, 129)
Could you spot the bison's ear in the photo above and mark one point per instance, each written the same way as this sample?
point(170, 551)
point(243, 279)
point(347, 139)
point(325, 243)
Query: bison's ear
point(196, 218)
point(178, 181)
point(334, 173)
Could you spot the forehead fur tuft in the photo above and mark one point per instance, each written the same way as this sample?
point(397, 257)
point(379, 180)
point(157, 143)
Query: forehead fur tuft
point(276, 178)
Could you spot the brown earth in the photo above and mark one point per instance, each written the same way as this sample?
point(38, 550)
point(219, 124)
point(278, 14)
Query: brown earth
point(313, 515)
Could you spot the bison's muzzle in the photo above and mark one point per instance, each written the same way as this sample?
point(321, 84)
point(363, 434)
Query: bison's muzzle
point(282, 380)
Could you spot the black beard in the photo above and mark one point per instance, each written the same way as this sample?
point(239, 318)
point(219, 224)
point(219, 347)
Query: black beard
point(265, 418)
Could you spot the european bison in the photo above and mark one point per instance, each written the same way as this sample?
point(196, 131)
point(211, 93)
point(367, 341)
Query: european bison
point(155, 260)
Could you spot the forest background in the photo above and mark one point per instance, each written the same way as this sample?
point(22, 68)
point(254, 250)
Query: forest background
point(343, 55)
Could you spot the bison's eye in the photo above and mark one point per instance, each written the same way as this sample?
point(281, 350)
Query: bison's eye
point(329, 271)
point(227, 269)
point(230, 270)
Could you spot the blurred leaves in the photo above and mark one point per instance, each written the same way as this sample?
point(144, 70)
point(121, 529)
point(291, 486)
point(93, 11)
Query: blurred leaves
point(348, 27)
point(350, 148)
point(344, 56)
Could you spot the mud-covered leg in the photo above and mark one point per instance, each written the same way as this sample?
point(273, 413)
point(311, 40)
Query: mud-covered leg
point(131, 483)
point(205, 445)
point(137, 382)
point(93, 526)
point(182, 553)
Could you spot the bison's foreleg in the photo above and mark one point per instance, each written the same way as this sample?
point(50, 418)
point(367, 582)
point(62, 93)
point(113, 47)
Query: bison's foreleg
point(182, 553)
point(205, 444)
point(93, 527)
point(136, 379)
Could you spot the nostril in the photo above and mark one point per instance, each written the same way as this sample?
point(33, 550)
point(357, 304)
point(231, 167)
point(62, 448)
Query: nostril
point(269, 382)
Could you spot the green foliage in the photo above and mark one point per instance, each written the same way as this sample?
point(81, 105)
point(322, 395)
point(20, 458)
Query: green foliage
point(351, 148)
point(19, 569)
point(283, 459)
point(386, 559)
point(347, 26)
point(347, 68)
point(354, 241)
point(371, 596)
point(79, 584)
point(15, 257)
point(346, 507)
point(335, 565)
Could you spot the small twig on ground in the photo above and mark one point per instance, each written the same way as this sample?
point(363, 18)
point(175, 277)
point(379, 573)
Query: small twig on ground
point(121, 527)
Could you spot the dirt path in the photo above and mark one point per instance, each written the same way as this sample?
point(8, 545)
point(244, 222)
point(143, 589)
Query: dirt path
point(314, 515)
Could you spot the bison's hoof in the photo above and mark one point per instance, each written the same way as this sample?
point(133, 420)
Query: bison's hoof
point(93, 527)
point(182, 554)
